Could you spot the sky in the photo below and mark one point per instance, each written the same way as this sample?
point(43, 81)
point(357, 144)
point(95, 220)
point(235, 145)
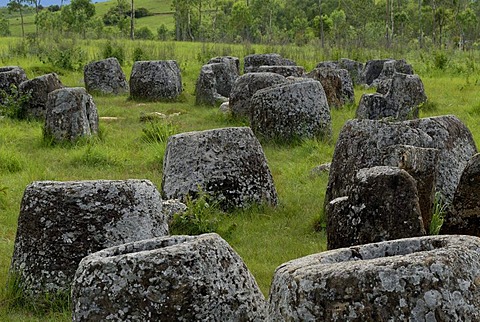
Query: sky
point(47, 3)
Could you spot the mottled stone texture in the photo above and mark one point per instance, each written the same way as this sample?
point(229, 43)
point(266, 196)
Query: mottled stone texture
point(327, 64)
point(382, 204)
point(253, 62)
point(228, 164)
point(421, 164)
point(155, 80)
point(226, 73)
point(354, 68)
point(289, 111)
point(62, 222)
point(286, 71)
point(172, 207)
point(337, 84)
point(390, 68)
point(11, 75)
point(418, 279)
point(177, 278)
point(373, 69)
point(362, 144)
point(398, 98)
point(70, 115)
point(105, 77)
point(247, 85)
point(216, 80)
point(38, 89)
point(463, 215)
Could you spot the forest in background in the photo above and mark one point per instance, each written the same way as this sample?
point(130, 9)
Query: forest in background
point(453, 24)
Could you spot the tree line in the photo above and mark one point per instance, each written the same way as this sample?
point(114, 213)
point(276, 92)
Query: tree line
point(362, 23)
point(334, 23)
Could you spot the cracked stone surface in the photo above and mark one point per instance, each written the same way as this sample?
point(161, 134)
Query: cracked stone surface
point(363, 144)
point(433, 278)
point(337, 84)
point(246, 86)
point(38, 88)
point(382, 204)
point(397, 98)
point(11, 75)
point(228, 164)
point(105, 76)
point(62, 222)
point(463, 215)
point(71, 113)
point(298, 109)
point(286, 71)
point(155, 80)
point(176, 278)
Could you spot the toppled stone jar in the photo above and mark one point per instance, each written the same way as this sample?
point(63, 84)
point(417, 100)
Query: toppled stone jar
point(431, 278)
point(176, 278)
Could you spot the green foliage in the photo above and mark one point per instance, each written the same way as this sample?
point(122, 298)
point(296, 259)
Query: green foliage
point(440, 60)
point(3, 193)
point(439, 208)
point(162, 32)
point(157, 131)
point(139, 54)
point(114, 50)
point(12, 104)
point(4, 27)
point(200, 217)
point(64, 55)
point(144, 33)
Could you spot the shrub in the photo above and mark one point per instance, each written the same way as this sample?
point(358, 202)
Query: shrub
point(162, 32)
point(144, 33)
point(139, 54)
point(199, 218)
point(440, 60)
point(114, 51)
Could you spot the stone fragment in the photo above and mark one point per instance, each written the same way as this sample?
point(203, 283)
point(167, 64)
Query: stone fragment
point(382, 204)
point(390, 68)
point(37, 90)
point(373, 69)
point(361, 144)
point(155, 80)
point(421, 164)
point(172, 207)
point(321, 169)
point(291, 111)
point(211, 78)
point(286, 71)
point(253, 62)
point(227, 164)
point(354, 68)
point(176, 278)
point(417, 279)
point(337, 84)
point(327, 64)
point(463, 215)
point(62, 222)
point(225, 108)
point(105, 77)
point(399, 99)
point(247, 85)
point(227, 70)
point(70, 115)
point(11, 76)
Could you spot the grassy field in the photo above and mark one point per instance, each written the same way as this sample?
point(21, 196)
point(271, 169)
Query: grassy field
point(264, 237)
point(161, 11)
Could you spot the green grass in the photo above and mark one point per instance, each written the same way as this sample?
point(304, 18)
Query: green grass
point(264, 237)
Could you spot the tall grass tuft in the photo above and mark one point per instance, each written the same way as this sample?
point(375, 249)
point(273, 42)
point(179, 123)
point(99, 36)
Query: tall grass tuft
point(439, 208)
point(158, 131)
point(10, 162)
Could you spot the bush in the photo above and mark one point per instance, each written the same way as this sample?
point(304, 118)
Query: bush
point(144, 33)
point(114, 51)
point(199, 218)
point(4, 27)
point(162, 32)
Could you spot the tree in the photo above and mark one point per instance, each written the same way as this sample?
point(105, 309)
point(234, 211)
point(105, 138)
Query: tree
point(78, 14)
point(37, 5)
point(4, 27)
point(17, 5)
